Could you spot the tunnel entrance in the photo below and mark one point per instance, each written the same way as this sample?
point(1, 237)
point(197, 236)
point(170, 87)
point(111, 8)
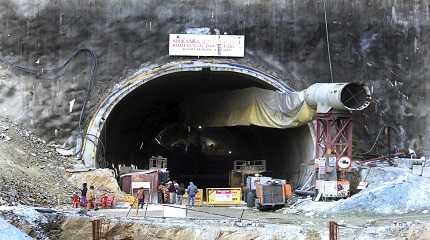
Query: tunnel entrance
point(148, 121)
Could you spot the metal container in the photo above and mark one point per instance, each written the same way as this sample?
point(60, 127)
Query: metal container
point(149, 180)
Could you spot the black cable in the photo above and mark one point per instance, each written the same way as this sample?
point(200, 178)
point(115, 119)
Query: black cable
point(42, 71)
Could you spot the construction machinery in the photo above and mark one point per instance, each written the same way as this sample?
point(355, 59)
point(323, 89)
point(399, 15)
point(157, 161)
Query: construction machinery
point(266, 193)
point(270, 195)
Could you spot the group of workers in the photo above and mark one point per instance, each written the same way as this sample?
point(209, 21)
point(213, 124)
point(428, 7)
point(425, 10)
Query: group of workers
point(87, 199)
point(170, 192)
point(173, 193)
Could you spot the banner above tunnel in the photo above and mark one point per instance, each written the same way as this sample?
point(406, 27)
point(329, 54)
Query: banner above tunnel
point(250, 106)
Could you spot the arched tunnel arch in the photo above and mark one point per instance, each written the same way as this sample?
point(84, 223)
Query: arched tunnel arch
point(142, 117)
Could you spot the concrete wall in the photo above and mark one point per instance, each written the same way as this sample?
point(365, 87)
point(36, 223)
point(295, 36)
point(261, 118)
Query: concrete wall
point(382, 42)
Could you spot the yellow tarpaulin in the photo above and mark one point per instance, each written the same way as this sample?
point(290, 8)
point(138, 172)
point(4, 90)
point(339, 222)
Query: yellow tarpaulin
point(249, 106)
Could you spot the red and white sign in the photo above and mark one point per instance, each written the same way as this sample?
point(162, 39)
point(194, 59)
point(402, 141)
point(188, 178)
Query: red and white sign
point(362, 185)
point(344, 162)
point(224, 195)
point(206, 45)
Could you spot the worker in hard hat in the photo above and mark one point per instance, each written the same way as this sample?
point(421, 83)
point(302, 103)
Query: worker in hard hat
point(84, 195)
point(172, 192)
point(91, 198)
point(180, 191)
point(141, 197)
point(76, 200)
point(192, 191)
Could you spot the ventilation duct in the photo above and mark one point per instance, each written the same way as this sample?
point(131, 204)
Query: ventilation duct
point(339, 96)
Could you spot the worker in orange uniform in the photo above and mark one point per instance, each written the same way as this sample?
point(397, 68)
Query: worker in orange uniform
point(91, 198)
point(141, 197)
point(76, 200)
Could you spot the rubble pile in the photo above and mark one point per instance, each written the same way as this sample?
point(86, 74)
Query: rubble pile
point(31, 172)
point(103, 180)
point(391, 190)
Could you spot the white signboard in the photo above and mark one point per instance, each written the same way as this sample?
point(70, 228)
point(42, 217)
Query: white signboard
point(224, 196)
point(135, 185)
point(332, 161)
point(328, 188)
point(206, 45)
point(322, 165)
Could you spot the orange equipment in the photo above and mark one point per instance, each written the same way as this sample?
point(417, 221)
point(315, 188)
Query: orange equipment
point(270, 195)
point(288, 190)
point(76, 200)
point(107, 201)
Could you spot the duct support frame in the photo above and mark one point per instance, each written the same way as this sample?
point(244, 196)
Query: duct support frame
point(333, 133)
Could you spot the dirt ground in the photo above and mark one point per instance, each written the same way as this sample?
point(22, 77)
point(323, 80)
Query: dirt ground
point(208, 223)
point(406, 226)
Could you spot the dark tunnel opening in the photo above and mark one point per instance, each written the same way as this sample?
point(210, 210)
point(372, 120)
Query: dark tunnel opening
point(149, 122)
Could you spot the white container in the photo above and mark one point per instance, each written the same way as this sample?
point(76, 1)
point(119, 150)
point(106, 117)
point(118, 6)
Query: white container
point(426, 172)
point(417, 169)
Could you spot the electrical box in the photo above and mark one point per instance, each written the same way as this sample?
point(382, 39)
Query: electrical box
point(333, 189)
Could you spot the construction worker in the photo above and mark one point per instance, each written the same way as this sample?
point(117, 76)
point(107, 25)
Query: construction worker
point(141, 197)
point(164, 193)
point(91, 198)
point(76, 200)
point(192, 191)
point(160, 194)
point(172, 192)
point(180, 191)
point(84, 195)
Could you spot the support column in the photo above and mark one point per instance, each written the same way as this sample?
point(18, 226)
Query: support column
point(334, 134)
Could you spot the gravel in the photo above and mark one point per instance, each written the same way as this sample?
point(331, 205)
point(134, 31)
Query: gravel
point(31, 171)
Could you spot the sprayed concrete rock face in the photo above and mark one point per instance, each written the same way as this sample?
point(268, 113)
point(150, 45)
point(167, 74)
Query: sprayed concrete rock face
point(383, 43)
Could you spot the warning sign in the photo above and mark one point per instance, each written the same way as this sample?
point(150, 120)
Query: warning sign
point(223, 196)
point(344, 162)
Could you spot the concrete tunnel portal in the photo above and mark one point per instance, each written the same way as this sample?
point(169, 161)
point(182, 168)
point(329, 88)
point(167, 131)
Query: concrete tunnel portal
point(135, 123)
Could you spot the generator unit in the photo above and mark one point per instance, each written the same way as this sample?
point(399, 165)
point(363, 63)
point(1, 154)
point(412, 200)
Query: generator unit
point(270, 195)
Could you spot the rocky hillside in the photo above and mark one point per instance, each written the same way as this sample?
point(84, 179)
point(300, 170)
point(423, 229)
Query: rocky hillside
point(381, 42)
point(31, 171)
